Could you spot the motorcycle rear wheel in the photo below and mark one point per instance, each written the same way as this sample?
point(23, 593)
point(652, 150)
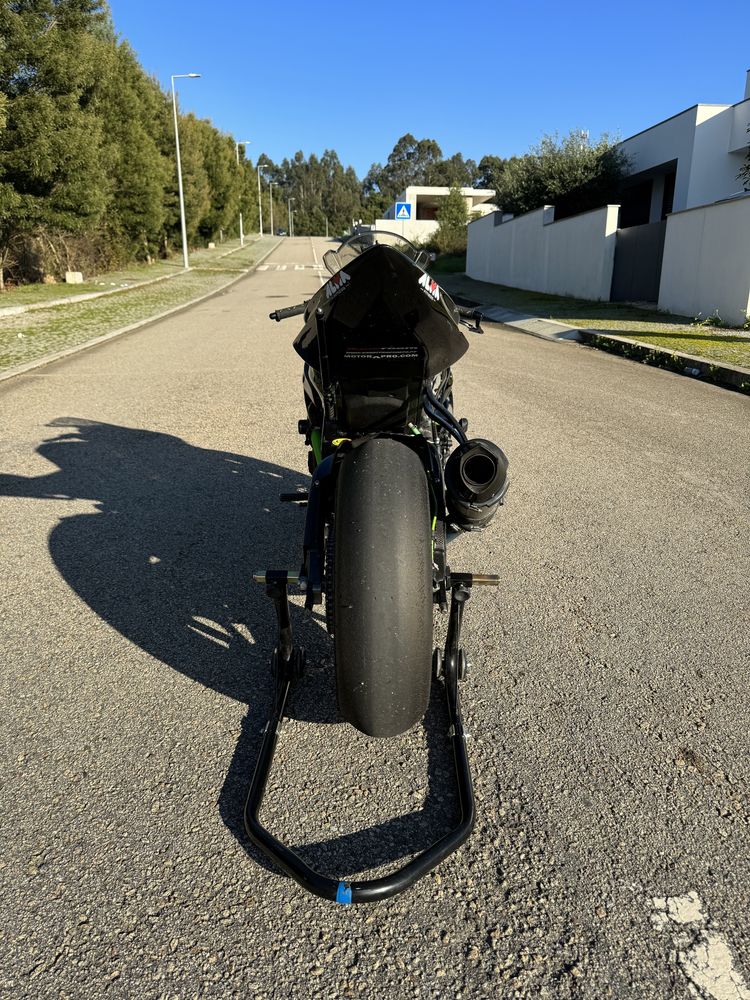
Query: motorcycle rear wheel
point(382, 588)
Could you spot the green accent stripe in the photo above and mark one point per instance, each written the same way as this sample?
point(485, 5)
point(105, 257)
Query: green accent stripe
point(317, 446)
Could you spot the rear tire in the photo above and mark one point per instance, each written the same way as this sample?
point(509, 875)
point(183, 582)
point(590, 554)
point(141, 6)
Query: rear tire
point(382, 594)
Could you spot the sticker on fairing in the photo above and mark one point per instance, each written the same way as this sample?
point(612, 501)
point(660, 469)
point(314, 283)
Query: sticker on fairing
point(430, 286)
point(337, 284)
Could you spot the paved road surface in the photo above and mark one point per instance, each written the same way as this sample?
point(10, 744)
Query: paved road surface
point(609, 701)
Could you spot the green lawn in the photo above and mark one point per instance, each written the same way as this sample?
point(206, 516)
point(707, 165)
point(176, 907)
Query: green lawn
point(647, 325)
point(23, 295)
point(448, 263)
point(34, 334)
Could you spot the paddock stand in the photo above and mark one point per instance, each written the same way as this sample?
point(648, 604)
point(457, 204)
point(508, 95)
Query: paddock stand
point(288, 664)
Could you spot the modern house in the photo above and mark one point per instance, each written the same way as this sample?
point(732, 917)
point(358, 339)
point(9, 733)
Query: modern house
point(414, 214)
point(680, 236)
point(691, 159)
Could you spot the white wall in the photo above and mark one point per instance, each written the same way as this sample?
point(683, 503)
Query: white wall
point(714, 169)
point(670, 140)
point(415, 230)
point(706, 263)
point(571, 257)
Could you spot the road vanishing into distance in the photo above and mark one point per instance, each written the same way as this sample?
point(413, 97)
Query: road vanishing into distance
point(608, 702)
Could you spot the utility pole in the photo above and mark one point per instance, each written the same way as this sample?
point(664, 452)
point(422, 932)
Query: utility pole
point(260, 205)
point(270, 203)
point(242, 142)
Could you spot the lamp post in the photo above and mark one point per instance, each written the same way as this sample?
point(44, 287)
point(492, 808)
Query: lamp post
point(289, 210)
point(260, 205)
point(181, 76)
point(270, 203)
point(242, 142)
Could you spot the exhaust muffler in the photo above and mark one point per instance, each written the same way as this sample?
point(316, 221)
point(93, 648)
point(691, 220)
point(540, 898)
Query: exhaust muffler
point(476, 481)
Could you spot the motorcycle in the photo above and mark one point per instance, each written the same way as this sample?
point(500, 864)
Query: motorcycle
point(388, 490)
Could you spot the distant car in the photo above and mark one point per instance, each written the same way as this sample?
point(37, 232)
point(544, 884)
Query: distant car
point(281, 232)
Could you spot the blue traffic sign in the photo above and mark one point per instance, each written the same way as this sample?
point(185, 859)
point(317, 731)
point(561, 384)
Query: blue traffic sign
point(403, 210)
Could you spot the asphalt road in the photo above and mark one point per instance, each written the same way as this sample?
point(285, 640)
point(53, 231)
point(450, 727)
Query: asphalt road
point(608, 703)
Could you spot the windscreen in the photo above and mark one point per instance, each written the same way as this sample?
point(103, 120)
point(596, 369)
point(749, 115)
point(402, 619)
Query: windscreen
point(334, 260)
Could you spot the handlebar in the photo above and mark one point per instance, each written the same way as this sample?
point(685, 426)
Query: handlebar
point(473, 313)
point(288, 313)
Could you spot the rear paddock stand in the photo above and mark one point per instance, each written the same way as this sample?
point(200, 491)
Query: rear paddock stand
point(288, 663)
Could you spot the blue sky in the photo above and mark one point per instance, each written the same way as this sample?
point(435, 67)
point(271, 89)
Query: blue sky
point(479, 78)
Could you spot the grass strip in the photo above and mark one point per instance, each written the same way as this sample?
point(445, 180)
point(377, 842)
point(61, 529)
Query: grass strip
point(676, 333)
point(35, 334)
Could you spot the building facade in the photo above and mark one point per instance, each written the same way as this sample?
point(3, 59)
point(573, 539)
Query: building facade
point(423, 204)
point(691, 159)
point(680, 236)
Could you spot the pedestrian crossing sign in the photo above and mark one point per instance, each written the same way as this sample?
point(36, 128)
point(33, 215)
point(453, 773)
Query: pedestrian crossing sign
point(403, 210)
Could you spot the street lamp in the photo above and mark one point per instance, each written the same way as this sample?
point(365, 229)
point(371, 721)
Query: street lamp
point(242, 142)
point(260, 204)
point(181, 76)
point(289, 210)
point(270, 203)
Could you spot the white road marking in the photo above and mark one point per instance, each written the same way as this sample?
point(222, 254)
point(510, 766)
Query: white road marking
point(263, 267)
point(299, 267)
point(702, 952)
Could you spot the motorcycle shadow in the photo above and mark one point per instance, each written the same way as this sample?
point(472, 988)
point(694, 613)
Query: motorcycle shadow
point(166, 558)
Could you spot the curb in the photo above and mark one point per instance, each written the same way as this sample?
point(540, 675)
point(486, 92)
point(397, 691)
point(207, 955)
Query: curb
point(715, 372)
point(720, 373)
point(48, 359)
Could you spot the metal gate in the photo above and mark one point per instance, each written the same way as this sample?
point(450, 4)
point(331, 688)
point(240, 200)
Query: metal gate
point(637, 269)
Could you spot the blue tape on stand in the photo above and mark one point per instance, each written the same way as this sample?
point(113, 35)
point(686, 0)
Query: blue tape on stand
point(344, 894)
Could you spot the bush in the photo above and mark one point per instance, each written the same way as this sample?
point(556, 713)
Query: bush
point(570, 173)
point(453, 216)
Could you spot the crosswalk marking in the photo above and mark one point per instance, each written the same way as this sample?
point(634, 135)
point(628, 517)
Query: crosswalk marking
point(318, 268)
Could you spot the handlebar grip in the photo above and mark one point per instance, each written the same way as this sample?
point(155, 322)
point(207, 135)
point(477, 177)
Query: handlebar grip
point(288, 312)
point(474, 312)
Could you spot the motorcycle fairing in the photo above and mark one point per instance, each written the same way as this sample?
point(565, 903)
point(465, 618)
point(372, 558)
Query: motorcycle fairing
point(379, 323)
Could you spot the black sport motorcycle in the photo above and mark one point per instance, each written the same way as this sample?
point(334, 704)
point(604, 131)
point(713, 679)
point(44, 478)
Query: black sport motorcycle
point(388, 489)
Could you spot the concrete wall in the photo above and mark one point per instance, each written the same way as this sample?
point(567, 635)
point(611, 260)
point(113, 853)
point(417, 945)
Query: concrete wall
point(706, 263)
point(572, 257)
point(415, 230)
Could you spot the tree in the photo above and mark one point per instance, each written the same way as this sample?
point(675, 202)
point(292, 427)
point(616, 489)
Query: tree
point(139, 172)
point(453, 171)
point(409, 163)
point(453, 217)
point(571, 173)
point(490, 172)
point(53, 175)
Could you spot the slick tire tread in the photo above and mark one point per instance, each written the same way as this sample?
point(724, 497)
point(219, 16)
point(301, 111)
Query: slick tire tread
point(382, 590)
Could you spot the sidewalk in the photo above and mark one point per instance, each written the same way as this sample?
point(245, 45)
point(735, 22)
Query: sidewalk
point(40, 335)
point(642, 334)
